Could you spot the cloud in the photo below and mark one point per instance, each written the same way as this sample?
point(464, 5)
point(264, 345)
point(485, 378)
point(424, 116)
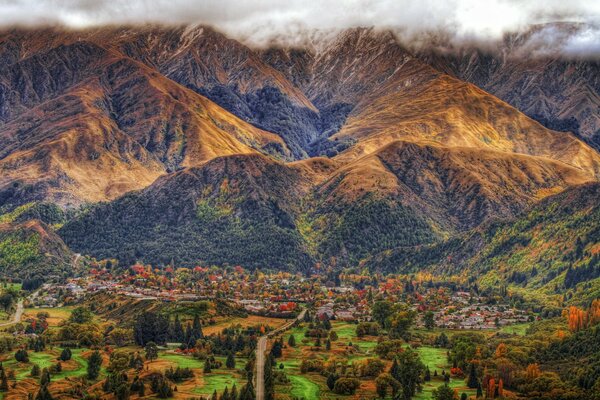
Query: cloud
point(262, 21)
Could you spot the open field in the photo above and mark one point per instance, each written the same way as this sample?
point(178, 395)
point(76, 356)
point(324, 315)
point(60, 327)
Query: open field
point(252, 320)
point(56, 314)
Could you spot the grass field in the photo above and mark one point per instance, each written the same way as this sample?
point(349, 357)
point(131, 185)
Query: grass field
point(56, 314)
point(303, 388)
point(433, 357)
point(217, 381)
point(517, 329)
point(45, 359)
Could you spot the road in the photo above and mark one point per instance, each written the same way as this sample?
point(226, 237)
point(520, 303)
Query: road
point(261, 348)
point(16, 316)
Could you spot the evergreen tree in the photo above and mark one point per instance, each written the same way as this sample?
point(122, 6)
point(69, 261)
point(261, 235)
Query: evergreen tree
point(276, 350)
point(234, 392)
point(207, 367)
point(45, 378)
point(65, 355)
point(292, 341)
point(35, 371)
point(3, 381)
point(230, 362)
point(473, 382)
point(331, 379)
point(247, 392)
point(176, 331)
point(269, 379)
point(43, 393)
point(443, 392)
point(141, 388)
point(151, 350)
point(479, 391)
point(94, 364)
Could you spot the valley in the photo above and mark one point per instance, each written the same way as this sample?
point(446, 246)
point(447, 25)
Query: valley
point(352, 215)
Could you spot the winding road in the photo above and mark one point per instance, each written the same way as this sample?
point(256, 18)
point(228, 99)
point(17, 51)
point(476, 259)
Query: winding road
point(16, 316)
point(261, 348)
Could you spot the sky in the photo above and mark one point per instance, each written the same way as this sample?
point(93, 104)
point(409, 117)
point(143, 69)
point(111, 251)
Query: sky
point(262, 21)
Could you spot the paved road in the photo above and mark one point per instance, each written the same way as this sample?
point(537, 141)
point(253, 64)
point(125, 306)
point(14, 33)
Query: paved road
point(261, 348)
point(16, 316)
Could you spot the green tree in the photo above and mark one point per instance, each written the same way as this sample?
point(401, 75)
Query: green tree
point(94, 365)
point(408, 373)
point(269, 379)
point(331, 380)
point(292, 341)
point(400, 323)
point(65, 355)
point(81, 315)
point(473, 381)
point(230, 362)
point(381, 311)
point(3, 381)
point(35, 371)
point(428, 320)
point(443, 392)
point(43, 393)
point(45, 377)
point(151, 350)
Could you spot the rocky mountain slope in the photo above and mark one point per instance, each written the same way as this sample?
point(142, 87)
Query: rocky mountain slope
point(83, 123)
point(562, 92)
point(195, 148)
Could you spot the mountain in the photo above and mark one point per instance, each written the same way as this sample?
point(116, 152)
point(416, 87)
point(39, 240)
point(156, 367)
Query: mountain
point(31, 250)
point(232, 210)
point(554, 247)
point(94, 124)
point(561, 91)
point(178, 144)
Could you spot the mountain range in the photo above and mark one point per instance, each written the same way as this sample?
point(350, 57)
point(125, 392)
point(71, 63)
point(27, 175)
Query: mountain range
point(179, 145)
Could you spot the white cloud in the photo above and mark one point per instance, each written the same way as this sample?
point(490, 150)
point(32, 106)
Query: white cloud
point(261, 20)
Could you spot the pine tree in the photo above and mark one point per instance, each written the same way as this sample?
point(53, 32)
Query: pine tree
point(247, 392)
point(3, 381)
point(94, 364)
point(479, 391)
point(142, 389)
point(269, 379)
point(151, 350)
point(292, 341)
point(207, 368)
point(45, 378)
point(43, 393)
point(65, 355)
point(331, 381)
point(35, 370)
point(230, 362)
point(473, 382)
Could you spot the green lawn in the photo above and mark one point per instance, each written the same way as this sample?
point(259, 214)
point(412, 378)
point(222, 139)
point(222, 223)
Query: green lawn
point(458, 384)
point(303, 388)
point(182, 361)
point(345, 331)
point(46, 360)
point(517, 329)
point(217, 381)
point(433, 357)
